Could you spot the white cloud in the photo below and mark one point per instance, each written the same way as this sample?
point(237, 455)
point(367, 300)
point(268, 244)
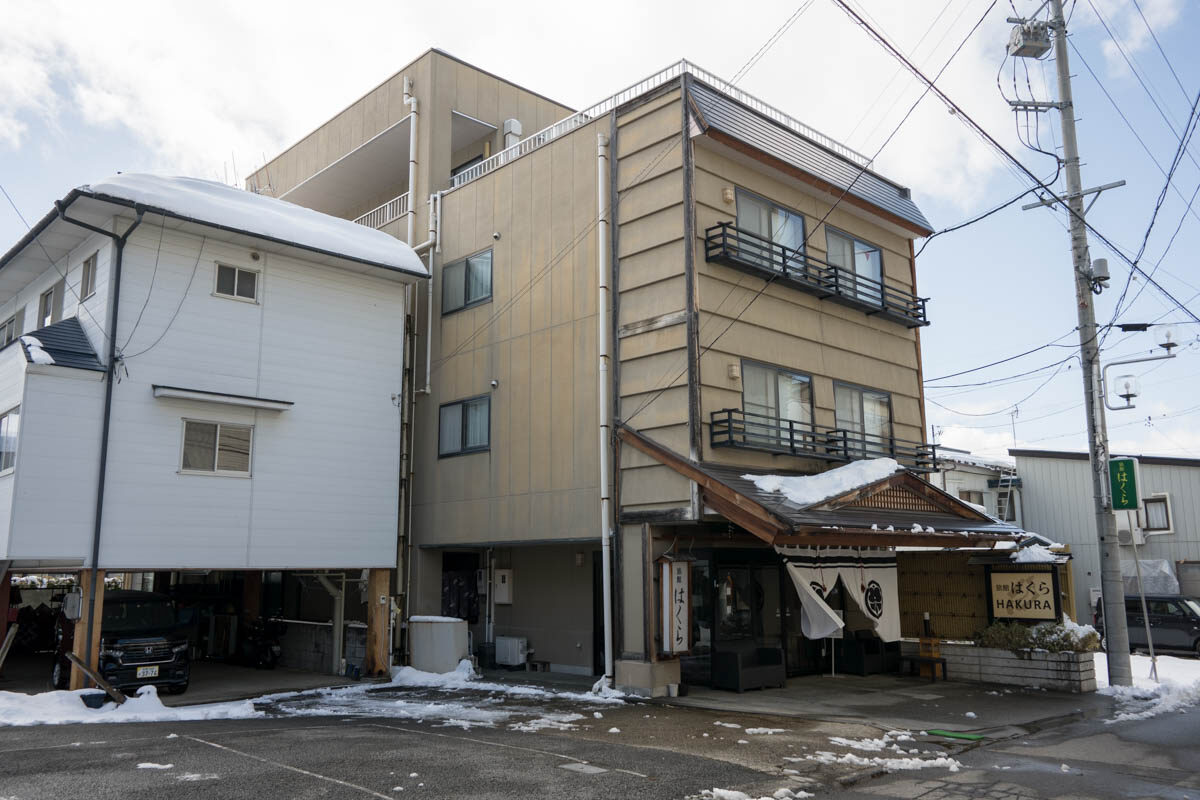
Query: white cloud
point(204, 85)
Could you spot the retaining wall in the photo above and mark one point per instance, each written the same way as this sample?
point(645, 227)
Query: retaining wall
point(1064, 672)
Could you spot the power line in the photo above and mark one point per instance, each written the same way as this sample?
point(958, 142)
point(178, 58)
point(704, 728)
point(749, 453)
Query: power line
point(988, 139)
point(767, 45)
point(1051, 343)
point(1161, 52)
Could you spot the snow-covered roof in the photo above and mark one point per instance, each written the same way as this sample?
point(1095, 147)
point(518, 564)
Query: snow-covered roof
point(807, 490)
point(970, 459)
point(218, 205)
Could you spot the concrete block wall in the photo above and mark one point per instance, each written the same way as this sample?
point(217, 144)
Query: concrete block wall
point(1066, 672)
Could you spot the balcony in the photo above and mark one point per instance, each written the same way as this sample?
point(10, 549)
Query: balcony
point(732, 427)
point(381, 215)
point(725, 243)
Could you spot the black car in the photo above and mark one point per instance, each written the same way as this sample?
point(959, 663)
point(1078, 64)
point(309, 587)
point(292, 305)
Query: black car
point(1174, 622)
point(141, 643)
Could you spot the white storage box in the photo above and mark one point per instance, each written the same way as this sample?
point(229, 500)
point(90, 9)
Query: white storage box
point(438, 643)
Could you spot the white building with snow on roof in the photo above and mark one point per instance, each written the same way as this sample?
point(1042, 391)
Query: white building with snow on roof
point(202, 383)
point(992, 483)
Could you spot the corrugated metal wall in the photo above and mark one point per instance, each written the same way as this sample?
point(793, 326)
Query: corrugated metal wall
point(952, 591)
point(1058, 503)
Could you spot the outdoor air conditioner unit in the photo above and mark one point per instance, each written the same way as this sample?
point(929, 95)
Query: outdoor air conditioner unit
point(511, 651)
point(1131, 537)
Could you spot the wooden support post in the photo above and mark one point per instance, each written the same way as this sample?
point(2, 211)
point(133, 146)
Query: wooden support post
point(252, 584)
point(87, 652)
point(378, 618)
point(5, 599)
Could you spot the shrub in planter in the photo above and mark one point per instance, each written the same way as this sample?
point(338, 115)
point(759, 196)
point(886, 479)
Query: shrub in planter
point(1053, 637)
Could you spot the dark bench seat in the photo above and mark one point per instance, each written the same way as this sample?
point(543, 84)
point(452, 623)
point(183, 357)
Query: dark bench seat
point(916, 661)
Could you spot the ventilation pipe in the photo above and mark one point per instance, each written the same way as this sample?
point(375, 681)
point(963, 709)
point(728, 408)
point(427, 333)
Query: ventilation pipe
point(602, 302)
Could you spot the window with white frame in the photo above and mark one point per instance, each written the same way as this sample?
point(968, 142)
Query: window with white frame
point(237, 283)
point(10, 425)
point(467, 282)
point(863, 260)
point(216, 447)
point(464, 426)
point(87, 281)
point(1158, 513)
point(46, 308)
point(8, 331)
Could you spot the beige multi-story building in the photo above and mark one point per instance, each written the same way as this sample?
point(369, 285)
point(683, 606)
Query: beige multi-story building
point(763, 318)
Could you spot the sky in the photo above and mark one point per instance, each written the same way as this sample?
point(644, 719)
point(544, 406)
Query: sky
point(214, 89)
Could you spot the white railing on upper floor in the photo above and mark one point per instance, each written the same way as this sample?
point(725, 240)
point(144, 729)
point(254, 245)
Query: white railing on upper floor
point(391, 210)
point(656, 80)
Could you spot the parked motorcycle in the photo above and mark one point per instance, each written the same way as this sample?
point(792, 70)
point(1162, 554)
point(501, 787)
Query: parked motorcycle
point(259, 643)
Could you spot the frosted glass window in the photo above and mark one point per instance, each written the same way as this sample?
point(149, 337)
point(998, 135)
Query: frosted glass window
point(217, 448)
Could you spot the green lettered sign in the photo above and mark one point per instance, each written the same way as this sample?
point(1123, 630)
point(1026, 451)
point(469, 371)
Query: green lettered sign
point(1122, 476)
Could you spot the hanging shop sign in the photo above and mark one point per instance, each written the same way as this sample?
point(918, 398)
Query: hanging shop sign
point(676, 583)
point(1023, 595)
point(1123, 479)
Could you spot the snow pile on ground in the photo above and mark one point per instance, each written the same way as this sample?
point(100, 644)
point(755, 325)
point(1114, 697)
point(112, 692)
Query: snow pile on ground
point(430, 618)
point(258, 215)
point(733, 794)
point(807, 490)
point(59, 708)
point(1034, 554)
point(765, 731)
point(1179, 688)
point(555, 722)
point(889, 764)
point(886, 742)
point(465, 677)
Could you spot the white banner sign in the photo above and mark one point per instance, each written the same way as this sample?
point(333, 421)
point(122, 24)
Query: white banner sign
point(868, 578)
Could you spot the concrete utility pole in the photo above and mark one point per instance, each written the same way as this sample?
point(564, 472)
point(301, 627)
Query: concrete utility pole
point(1112, 585)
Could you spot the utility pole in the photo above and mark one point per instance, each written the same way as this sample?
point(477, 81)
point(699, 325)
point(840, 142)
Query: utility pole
point(1112, 585)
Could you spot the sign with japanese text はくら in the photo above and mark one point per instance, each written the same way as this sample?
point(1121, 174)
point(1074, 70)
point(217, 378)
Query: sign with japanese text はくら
point(1122, 477)
point(1023, 595)
point(676, 606)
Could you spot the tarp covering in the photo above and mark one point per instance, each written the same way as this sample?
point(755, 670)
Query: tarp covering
point(1158, 576)
point(868, 578)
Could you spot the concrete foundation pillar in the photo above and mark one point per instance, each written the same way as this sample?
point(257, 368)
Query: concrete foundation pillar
point(88, 651)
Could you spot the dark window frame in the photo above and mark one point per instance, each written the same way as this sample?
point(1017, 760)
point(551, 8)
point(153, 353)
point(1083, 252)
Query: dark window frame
point(462, 450)
point(891, 406)
point(741, 190)
point(466, 165)
point(786, 371)
point(1166, 504)
point(5, 340)
point(467, 282)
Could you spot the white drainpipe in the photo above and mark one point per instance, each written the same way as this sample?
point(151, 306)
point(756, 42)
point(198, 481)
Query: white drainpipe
point(411, 102)
point(602, 302)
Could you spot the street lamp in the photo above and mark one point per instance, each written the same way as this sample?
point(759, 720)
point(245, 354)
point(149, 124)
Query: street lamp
point(1127, 385)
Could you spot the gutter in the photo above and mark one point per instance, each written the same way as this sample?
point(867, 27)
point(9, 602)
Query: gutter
point(109, 371)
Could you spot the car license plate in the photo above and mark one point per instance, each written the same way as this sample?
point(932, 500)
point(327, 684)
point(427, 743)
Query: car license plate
point(147, 672)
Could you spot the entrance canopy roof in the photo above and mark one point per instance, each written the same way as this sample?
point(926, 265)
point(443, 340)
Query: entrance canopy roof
point(862, 504)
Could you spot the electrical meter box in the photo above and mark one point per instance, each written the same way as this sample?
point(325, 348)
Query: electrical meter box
point(1029, 40)
point(502, 587)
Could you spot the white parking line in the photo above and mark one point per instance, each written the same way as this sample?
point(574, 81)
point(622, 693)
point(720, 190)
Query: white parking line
point(281, 765)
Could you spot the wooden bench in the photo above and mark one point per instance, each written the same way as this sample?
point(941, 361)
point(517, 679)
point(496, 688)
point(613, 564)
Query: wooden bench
point(916, 661)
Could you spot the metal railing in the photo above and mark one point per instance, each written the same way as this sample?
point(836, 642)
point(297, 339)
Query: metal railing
point(381, 215)
point(733, 427)
point(728, 244)
point(651, 83)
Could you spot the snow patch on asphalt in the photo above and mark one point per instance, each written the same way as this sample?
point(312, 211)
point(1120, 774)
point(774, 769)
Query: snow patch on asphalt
point(152, 765)
point(62, 707)
point(1179, 688)
point(889, 764)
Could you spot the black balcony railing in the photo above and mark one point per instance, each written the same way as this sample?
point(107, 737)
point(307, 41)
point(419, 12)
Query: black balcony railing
point(732, 427)
point(727, 244)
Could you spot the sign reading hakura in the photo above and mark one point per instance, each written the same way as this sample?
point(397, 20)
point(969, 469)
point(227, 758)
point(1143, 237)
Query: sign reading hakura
point(1023, 595)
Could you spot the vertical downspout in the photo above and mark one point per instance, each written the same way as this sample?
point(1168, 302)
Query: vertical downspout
point(105, 425)
point(411, 102)
point(695, 446)
point(602, 300)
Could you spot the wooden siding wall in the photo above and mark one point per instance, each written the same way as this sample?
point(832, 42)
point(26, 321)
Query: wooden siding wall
point(441, 85)
point(650, 216)
point(537, 338)
point(1057, 498)
point(790, 328)
point(953, 592)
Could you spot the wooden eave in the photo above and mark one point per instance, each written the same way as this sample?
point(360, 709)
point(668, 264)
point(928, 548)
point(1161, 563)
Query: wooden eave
point(904, 480)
